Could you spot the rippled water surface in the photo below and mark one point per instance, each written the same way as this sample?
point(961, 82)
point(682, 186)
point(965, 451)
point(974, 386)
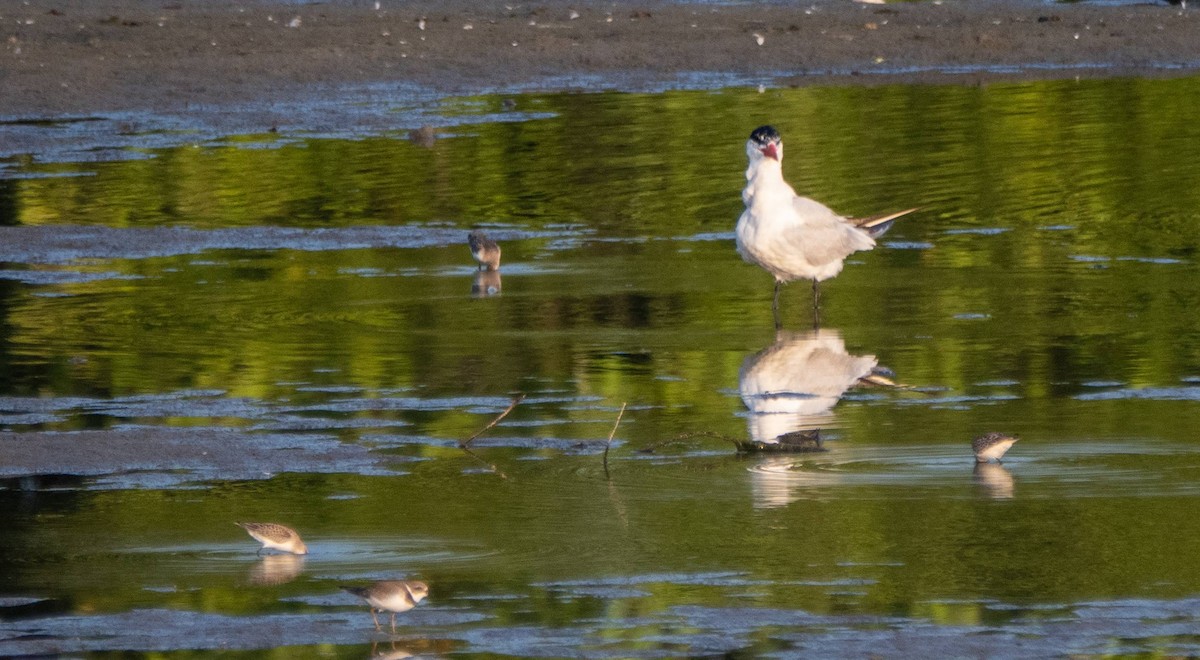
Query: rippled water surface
point(290, 328)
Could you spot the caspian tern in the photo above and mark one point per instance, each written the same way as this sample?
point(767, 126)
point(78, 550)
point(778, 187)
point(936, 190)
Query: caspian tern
point(795, 237)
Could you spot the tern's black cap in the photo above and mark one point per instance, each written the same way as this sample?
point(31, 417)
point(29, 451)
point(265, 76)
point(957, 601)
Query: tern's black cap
point(765, 135)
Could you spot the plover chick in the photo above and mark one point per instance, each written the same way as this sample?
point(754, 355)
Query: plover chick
point(794, 237)
point(391, 596)
point(276, 537)
point(991, 446)
point(484, 249)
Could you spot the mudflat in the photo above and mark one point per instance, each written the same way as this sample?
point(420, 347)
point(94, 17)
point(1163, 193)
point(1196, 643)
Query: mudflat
point(76, 57)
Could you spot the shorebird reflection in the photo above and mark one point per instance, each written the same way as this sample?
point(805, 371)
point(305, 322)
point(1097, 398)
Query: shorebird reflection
point(394, 653)
point(487, 283)
point(276, 569)
point(792, 385)
point(995, 480)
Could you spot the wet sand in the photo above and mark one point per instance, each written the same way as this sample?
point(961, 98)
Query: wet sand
point(168, 457)
point(83, 57)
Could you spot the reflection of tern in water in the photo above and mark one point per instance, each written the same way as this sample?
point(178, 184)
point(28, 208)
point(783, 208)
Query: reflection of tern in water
point(276, 569)
point(792, 385)
point(487, 283)
point(774, 482)
point(995, 479)
point(778, 480)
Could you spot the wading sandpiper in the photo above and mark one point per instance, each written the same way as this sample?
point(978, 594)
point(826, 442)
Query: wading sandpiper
point(991, 446)
point(391, 596)
point(275, 537)
point(485, 250)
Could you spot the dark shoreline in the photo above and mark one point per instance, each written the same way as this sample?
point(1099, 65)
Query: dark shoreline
point(78, 57)
point(244, 67)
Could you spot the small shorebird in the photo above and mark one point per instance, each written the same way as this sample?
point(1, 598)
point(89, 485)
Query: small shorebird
point(794, 237)
point(991, 446)
point(485, 250)
point(391, 596)
point(277, 537)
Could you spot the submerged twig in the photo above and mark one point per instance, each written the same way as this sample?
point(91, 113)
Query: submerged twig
point(688, 436)
point(465, 445)
point(517, 399)
point(608, 443)
point(479, 458)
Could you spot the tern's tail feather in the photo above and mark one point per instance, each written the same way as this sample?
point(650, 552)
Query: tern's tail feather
point(877, 225)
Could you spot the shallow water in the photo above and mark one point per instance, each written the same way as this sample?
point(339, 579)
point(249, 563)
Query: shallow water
point(282, 327)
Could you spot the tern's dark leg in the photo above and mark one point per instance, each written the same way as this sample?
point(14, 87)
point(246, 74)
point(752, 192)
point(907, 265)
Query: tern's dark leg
point(376, 620)
point(775, 307)
point(393, 623)
point(816, 305)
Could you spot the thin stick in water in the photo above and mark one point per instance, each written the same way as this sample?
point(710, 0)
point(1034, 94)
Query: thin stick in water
point(608, 443)
point(518, 399)
point(688, 436)
point(479, 458)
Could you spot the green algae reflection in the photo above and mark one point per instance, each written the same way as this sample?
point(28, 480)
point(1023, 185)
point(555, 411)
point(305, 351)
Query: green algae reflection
point(319, 291)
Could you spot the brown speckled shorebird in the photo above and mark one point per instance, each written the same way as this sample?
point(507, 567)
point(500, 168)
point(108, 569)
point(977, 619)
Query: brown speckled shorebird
point(485, 250)
point(276, 537)
point(391, 596)
point(991, 446)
